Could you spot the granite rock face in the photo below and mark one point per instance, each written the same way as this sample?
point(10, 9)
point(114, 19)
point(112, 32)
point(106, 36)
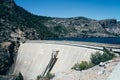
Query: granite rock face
point(11, 34)
point(85, 27)
point(8, 52)
point(5, 61)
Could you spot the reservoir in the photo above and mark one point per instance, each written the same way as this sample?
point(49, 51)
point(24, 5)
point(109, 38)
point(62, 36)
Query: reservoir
point(107, 40)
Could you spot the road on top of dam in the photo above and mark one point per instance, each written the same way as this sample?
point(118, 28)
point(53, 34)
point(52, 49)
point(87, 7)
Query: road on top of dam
point(92, 45)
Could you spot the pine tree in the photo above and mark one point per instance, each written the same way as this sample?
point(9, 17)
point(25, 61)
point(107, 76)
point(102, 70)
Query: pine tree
point(19, 77)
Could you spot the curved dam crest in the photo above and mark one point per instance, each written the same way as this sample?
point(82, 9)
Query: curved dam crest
point(33, 58)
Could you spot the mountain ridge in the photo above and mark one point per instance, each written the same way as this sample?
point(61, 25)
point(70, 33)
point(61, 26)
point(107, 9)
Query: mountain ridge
point(61, 27)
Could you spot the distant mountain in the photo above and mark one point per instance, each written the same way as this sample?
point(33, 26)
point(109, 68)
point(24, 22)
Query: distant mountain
point(14, 19)
point(17, 24)
point(83, 27)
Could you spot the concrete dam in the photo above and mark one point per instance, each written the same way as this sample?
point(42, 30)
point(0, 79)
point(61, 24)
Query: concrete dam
point(34, 56)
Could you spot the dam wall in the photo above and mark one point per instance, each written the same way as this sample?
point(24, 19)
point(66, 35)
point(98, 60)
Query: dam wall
point(34, 56)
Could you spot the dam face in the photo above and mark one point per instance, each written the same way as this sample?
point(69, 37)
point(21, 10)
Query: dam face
point(33, 58)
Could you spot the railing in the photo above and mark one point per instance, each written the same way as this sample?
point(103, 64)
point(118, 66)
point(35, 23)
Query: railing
point(50, 64)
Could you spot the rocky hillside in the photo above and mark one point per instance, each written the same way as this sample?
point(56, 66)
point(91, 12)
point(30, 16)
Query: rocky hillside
point(83, 27)
point(17, 22)
point(18, 25)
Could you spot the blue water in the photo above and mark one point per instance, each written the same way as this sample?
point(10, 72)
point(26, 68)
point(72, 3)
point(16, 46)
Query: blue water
point(110, 40)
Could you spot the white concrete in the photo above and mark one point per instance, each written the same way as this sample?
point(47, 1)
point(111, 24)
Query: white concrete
point(115, 75)
point(33, 58)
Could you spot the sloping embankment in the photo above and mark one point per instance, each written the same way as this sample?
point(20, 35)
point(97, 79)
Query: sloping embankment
point(34, 57)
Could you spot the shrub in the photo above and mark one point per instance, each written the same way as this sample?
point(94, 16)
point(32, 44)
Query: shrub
point(38, 77)
point(99, 57)
point(95, 60)
point(76, 66)
point(49, 75)
point(109, 52)
point(82, 66)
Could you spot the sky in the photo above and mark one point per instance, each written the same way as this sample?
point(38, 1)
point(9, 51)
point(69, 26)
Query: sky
point(95, 9)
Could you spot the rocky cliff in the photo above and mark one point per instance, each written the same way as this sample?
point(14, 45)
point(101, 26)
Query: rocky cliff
point(11, 34)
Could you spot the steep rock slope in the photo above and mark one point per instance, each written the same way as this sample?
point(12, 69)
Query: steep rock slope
point(11, 32)
point(17, 25)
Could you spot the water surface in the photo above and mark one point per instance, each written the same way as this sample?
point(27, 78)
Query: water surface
point(109, 40)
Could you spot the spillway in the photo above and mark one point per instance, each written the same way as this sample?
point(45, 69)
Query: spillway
point(33, 58)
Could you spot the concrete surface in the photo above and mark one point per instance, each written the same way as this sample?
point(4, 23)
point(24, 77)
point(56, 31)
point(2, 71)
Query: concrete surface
point(33, 58)
point(115, 75)
point(94, 73)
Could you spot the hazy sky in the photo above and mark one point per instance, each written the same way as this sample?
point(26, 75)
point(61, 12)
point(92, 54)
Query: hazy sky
point(95, 9)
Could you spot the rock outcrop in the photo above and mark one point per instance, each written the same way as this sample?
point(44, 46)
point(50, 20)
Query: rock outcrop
point(84, 27)
point(11, 34)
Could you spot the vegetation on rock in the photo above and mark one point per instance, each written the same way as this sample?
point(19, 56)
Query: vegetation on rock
point(82, 66)
point(99, 57)
point(96, 59)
